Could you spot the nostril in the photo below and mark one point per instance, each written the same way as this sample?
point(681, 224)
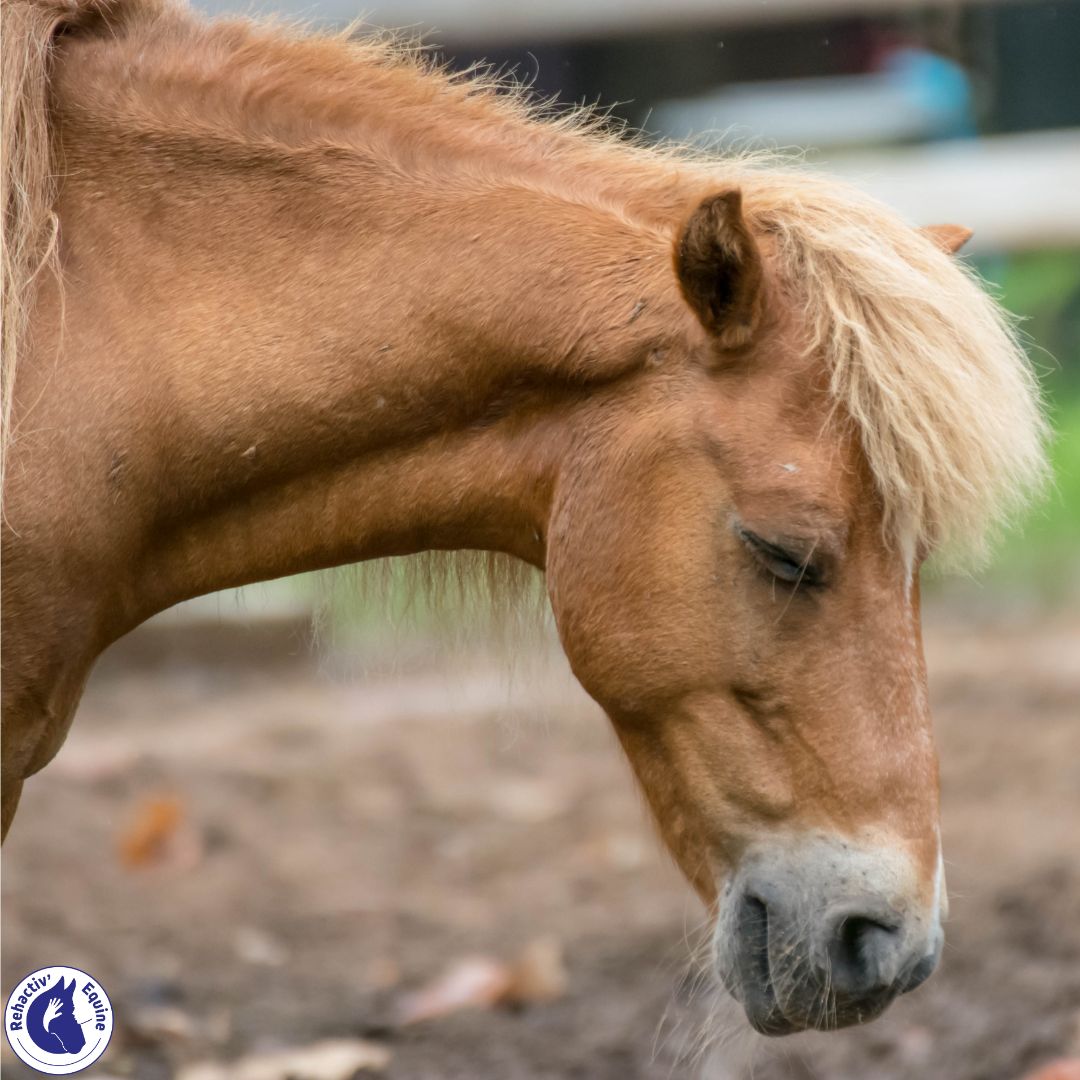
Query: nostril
point(756, 908)
point(863, 954)
point(753, 929)
point(754, 925)
point(858, 934)
point(754, 986)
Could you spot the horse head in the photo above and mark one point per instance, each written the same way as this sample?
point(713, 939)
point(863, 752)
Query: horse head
point(736, 580)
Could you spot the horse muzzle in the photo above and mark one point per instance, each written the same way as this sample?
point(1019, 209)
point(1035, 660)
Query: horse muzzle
point(824, 935)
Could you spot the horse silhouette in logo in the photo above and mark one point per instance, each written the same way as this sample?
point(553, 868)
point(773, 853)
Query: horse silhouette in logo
point(50, 1020)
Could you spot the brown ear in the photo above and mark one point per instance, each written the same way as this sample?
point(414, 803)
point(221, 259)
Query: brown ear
point(719, 268)
point(950, 238)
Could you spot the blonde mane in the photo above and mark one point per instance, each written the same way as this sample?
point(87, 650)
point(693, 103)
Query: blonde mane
point(28, 186)
point(923, 362)
point(926, 364)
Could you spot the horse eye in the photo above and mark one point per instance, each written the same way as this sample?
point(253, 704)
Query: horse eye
point(781, 564)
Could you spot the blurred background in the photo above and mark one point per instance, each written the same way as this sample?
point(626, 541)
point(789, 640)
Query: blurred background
point(385, 841)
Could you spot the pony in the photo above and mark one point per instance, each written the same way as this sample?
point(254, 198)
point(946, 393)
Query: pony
point(278, 301)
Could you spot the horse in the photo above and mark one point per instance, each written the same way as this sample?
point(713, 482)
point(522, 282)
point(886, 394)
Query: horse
point(278, 301)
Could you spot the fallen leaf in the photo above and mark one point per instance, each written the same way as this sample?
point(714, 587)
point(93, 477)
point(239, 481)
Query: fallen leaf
point(539, 975)
point(331, 1059)
point(157, 836)
point(1062, 1069)
point(480, 982)
point(473, 982)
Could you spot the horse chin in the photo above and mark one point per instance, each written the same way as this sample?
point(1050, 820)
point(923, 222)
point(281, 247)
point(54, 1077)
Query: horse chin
point(765, 1015)
point(762, 1010)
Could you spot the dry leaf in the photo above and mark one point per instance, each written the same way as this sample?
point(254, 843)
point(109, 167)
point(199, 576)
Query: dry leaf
point(1062, 1069)
point(156, 836)
point(479, 982)
point(539, 975)
point(331, 1059)
point(474, 982)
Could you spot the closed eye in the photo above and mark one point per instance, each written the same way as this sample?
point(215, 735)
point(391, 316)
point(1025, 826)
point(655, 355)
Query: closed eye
point(782, 564)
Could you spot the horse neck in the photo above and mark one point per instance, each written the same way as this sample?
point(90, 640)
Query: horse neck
point(246, 81)
point(335, 360)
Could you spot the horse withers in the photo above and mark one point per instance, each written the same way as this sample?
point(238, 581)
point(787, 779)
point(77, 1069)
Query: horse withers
point(277, 302)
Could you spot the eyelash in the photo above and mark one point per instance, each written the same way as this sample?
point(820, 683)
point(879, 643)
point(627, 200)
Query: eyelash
point(781, 564)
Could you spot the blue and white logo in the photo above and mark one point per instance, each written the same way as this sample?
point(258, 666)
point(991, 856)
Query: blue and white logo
point(58, 1020)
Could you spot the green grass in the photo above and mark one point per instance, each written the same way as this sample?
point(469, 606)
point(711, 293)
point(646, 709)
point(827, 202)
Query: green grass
point(1042, 552)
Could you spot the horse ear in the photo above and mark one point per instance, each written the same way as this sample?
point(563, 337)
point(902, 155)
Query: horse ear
point(950, 238)
point(719, 269)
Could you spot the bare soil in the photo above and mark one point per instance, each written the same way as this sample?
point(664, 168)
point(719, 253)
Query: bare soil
point(343, 841)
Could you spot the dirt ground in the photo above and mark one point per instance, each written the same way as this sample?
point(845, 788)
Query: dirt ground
point(343, 841)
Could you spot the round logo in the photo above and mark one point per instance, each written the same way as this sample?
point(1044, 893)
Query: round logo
point(58, 1020)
